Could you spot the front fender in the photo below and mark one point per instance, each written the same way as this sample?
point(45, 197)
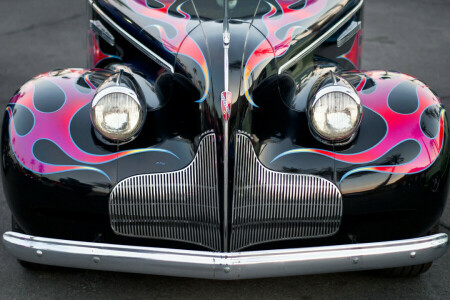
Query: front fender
point(394, 175)
point(55, 170)
point(44, 171)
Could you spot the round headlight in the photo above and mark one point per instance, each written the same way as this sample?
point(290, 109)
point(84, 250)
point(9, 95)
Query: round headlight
point(116, 112)
point(336, 112)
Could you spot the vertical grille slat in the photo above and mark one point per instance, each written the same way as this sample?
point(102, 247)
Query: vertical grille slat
point(181, 205)
point(272, 206)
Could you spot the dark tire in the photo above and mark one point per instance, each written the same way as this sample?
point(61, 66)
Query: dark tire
point(411, 271)
point(27, 265)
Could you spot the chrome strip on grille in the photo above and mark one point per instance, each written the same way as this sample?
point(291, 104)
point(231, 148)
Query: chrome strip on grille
point(181, 205)
point(272, 206)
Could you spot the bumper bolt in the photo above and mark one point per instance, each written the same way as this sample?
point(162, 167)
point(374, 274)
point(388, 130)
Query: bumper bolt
point(227, 269)
point(96, 259)
point(413, 254)
point(39, 253)
point(355, 260)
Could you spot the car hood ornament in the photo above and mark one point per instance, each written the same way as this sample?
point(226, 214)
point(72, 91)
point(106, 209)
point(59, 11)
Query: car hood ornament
point(225, 97)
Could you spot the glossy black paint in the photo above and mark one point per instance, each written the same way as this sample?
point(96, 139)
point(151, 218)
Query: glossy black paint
point(403, 98)
point(429, 121)
point(48, 97)
point(74, 205)
point(24, 120)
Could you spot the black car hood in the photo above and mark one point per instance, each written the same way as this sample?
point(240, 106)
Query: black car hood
point(264, 35)
point(164, 25)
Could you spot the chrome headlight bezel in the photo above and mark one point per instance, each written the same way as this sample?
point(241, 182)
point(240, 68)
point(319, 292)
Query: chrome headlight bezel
point(339, 86)
point(119, 84)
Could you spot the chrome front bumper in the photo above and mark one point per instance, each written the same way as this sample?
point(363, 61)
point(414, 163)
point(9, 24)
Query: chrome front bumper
point(216, 265)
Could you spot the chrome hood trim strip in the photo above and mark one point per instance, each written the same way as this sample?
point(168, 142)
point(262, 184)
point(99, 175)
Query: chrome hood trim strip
point(152, 55)
point(226, 127)
point(225, 266)
point(318, 41)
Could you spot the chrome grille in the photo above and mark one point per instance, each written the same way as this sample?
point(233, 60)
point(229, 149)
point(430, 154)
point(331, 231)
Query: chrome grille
point(272, 206)
point(181, 205)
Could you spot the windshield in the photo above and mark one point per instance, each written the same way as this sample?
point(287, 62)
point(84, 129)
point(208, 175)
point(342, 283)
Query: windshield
point(214, 9)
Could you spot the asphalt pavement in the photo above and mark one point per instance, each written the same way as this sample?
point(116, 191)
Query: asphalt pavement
point(411, 36)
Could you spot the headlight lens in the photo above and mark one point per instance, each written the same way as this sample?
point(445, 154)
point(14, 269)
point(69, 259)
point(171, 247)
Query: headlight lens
point(117, 113)
point(336, 113)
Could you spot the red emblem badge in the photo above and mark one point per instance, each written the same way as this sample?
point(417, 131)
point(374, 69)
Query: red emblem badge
point(226, 104)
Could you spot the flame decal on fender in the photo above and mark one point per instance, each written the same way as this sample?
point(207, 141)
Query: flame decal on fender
point(173, 44)
point(55, 127)
point(400, 127)
point(273, 45)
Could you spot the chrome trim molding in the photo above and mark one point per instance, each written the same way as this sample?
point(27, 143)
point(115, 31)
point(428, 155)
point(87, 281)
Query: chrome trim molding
point(351, 92)
point(320, 39)
point(225, 266)
point(152, 55)
point(181, 205)
point(226, 126)
point(349, 33)
point(272, 206)
point(101, 30)
point(115, 89)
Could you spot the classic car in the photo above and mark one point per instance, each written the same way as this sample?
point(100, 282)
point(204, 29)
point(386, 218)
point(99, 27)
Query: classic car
point(226, 139)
